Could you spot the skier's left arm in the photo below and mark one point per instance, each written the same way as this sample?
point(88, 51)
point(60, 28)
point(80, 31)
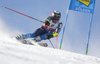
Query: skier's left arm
point(56, 32)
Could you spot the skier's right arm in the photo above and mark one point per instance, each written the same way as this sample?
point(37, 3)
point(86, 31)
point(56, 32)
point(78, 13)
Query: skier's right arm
point(47, 21)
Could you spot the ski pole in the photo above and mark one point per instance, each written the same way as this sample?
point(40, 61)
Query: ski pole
point(23, 14)
point(56, 42)
point(51, 44)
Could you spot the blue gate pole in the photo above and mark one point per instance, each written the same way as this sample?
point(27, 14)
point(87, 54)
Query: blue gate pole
point(90, 30)
point(64, 28)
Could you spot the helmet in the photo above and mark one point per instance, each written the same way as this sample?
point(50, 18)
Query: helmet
point(56, 15)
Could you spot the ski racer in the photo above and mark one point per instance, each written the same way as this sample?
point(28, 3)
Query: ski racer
point(49, 29)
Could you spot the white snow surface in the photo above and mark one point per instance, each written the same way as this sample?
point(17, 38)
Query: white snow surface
point(14, 52)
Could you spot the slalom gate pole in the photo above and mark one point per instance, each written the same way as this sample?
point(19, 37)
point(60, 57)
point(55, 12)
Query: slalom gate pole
point(51, 44)
point(23, 14)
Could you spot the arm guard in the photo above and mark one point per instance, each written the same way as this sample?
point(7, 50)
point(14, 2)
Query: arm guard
point(57, 30)
point(47, 21)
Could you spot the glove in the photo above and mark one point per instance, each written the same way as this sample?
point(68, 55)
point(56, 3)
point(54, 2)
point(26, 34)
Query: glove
point(47, 23)
point(49, 36)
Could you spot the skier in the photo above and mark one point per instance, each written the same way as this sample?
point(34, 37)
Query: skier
point(49, 29)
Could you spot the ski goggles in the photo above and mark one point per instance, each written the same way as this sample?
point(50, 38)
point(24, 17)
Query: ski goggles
point(56, 18)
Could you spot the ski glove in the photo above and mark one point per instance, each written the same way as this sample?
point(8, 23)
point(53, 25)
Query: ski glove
point(49, 36)
point(47, 23)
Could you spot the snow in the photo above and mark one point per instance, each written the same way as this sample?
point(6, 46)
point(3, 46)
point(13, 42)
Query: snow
point(13, 52)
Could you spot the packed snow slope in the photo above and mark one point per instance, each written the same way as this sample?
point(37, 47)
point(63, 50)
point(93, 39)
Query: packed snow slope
point(13, 52)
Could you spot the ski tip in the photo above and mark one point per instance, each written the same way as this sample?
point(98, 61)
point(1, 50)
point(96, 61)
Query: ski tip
point(3, 6)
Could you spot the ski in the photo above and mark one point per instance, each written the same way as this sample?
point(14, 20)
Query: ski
point(32, 42)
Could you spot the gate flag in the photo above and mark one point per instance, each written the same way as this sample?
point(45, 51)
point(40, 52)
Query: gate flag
point(86, 6)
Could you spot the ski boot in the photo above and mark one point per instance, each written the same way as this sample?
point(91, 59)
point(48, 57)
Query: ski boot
point(37, 39)
point(20, 37)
